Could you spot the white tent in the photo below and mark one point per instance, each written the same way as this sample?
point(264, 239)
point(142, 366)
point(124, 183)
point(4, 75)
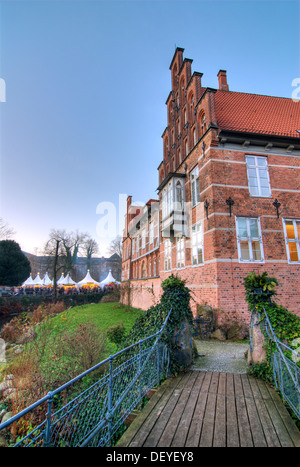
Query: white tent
point(47, 281)
point(28, 282)
point(108, 280)
point(60, 279)
point(88, 281)
point(67, 281)
point(37, 281)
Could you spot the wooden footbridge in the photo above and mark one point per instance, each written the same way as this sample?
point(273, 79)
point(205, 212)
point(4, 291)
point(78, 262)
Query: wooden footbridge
point(213, 409)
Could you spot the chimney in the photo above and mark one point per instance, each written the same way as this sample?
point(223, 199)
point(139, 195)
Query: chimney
point(223, 86)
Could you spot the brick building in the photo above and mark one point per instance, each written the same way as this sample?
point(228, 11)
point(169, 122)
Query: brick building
point(228, 197)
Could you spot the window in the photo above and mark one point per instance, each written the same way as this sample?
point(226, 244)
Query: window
point(150, 269)
point(197, 244)
point(151, 232)
point(180, 252)
point(249, 239)
point(167, 201)
point(143, 239)
point(178, 197)
point(186, 147)
point(258, 176)
point(143, 269)
point(133, 246)
point(292, 238)
point(195, 186)
point(167, 252)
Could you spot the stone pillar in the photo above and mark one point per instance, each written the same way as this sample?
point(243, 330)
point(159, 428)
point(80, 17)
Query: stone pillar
point(182, 339)
point(256, 354)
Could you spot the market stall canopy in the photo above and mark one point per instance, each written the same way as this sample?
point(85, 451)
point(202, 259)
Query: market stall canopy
point(67, 281)
point(108, 280)
point(88, 281)
point(47, 281)
point(37, 281)
point(28, 282)
point(60, 279)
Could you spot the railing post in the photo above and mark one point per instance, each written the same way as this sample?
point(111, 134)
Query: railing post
point(110, 391)
point(140, 368)
point(157, 363)
point(48, 424)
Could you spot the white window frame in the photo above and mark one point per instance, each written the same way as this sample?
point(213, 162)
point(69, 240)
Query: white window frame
point(256, 167)
point(195, 187)
point(295, 240)
point(167, 255)
point(143, 239)
point(180, 248)
point(151, 233)
point(249, 239)
point(167, 201)
point(197, 239)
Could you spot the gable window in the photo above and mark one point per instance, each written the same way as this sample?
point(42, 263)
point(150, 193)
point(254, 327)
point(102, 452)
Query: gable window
point(292, 239)
point(197, 244)
point(180, 252)
point(250, 248)
point(167, 251)
point(258, 176)
point(195, 186)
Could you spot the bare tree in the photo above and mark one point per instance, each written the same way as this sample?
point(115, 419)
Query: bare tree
point(115, 246)
point(70, 244)
point(90, 247)
point(6, 232)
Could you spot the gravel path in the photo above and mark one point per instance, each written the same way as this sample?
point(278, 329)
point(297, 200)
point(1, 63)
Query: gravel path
point(226, 357)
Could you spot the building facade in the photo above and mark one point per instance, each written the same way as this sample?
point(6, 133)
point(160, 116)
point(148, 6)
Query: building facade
point(228, 197)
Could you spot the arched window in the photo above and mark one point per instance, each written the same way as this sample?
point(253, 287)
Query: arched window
point(191, 107)
point(194, 136)
point(182, 90)
point(179, 197)
point(174, 76)
point(143, 269)
point(202, 124)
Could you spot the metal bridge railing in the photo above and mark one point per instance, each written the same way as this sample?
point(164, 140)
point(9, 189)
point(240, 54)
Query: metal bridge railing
point(93, 416)
point(286, 372)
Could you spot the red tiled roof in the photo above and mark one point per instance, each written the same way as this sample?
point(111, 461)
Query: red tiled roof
point(254, 113)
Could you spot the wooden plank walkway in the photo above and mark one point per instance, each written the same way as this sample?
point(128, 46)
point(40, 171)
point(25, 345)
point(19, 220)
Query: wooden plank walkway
point(211, 409)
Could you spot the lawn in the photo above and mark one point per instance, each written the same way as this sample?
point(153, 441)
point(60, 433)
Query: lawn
point(102, 315)
point(71, 342)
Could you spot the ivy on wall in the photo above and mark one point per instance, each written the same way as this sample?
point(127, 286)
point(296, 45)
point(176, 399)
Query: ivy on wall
point(176, 296)
point(286, 325)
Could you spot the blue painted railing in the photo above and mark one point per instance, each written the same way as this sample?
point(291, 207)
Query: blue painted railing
point(94, 416)
point(286, 372)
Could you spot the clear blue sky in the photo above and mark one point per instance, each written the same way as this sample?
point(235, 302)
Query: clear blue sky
point(86, 85)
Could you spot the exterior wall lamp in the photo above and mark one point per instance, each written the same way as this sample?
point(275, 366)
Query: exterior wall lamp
point(230, 203)
point(277, 206)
